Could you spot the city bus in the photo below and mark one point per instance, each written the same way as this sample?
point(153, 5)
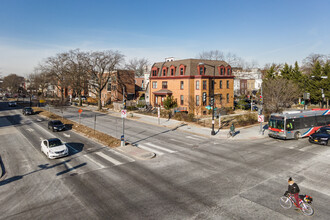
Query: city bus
point(297, 124)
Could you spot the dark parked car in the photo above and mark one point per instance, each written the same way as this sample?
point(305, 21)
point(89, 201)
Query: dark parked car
point(56, 125)
point(12, 104)
point(27, 111)
point(321, 136)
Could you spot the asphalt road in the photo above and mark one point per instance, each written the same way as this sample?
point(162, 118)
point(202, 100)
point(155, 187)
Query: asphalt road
point(191, 178)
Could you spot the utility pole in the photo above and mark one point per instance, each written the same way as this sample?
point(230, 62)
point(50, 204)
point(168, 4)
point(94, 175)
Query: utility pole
point(122, 139)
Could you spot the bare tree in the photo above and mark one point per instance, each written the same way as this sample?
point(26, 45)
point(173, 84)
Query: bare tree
point(310, 61)
point(279, 93)
point(100, 65)
point(38, 81)
point(55, 67)
point(140, 66)
point(77, 69)
point(211, 55)
point(230, 58)
point(12, 83)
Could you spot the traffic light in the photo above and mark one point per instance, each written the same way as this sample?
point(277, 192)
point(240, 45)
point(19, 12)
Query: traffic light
point(204, 97)
point(260, 99)
point(211, 101)
point(124, 103)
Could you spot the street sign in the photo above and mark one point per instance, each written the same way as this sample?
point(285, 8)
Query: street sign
point(261, 118)
point(123, 113)
point(80, 111)
point(208, 107)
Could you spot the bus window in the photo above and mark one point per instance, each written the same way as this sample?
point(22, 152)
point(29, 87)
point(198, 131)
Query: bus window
point(320, 120)
point(290, 124)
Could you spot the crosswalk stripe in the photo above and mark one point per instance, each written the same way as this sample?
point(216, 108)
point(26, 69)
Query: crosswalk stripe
point(100, 165)
point(121, 155)
point(160, 148)
point(150, 149)
point(115, 162)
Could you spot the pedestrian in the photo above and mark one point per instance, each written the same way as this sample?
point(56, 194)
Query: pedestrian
point(232, 129)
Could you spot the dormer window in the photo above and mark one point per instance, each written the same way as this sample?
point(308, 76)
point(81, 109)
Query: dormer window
point(172, 70)
point(164, 71)
point(182, 69)
point(154, 71)
point(222, 70)
point(201, 69)
point(228, 71)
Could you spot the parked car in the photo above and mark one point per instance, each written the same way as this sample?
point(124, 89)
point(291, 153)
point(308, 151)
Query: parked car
point(321, 136)
point(56, 125)
point(27, 111)
point(54, 148)
point(83, 98)
point(12, 104)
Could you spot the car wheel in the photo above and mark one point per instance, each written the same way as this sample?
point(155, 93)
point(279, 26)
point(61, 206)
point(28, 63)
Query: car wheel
point(297, 135)
point(53, 129)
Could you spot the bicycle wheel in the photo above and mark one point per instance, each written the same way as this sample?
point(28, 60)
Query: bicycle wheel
point(285, 202)
point(307, 209)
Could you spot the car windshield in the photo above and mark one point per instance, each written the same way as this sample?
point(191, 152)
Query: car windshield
point(55, 143)
point(57, 122)
point(28, 109)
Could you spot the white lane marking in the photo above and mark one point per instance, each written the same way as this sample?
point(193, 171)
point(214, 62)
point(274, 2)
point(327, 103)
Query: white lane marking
point(115, 162)
point(121, 155)
point(52, 135)
point(150, 149)
point(194, 138)
point(39, 120)
point(160, 148)
point(66, 135)
point(100, 165)
point(30, 129)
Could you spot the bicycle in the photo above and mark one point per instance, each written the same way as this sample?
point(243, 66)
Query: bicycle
point(231, 134)
point(304, 202)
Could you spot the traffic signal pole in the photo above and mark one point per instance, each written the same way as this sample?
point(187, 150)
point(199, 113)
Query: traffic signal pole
point(261, 108)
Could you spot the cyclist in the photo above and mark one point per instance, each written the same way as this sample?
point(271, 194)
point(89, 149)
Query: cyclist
point(293, 188)
point(232, 129)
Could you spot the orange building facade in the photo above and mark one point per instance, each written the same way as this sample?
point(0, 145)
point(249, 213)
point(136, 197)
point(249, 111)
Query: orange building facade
point(190, 82)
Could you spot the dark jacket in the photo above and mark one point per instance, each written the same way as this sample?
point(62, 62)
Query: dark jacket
point(293, 189)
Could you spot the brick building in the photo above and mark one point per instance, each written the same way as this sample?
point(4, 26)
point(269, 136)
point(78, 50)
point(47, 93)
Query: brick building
point(189, 80)
point(119, 80)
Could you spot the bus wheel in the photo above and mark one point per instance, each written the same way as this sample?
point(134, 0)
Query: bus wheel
point(297, 135)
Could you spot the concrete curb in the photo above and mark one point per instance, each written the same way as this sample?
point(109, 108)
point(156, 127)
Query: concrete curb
point(2, 169)
point(136, 152)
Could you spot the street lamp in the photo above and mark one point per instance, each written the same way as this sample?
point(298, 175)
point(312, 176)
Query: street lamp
point(212, 95)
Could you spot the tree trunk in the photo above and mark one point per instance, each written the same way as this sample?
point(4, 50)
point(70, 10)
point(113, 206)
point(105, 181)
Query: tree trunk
point(99, 100)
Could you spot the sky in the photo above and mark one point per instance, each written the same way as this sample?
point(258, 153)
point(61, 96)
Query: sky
point(265, 31)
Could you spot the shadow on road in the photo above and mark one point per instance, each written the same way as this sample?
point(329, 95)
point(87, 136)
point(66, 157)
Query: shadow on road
point(44, 167)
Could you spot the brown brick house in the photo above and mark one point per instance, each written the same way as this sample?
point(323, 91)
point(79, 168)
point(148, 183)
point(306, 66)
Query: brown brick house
point(189, 80)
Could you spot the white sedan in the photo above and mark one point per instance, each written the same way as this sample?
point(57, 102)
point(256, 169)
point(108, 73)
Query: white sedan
point(54, 148)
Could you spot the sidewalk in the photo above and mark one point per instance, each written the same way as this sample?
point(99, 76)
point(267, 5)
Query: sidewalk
point(242, 133)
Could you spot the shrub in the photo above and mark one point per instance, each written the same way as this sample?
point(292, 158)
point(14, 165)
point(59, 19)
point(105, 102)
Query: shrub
point(131, 108)
point(140, 105)
point(246, 119)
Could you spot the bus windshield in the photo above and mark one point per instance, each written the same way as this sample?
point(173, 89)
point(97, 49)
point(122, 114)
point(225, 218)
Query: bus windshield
point(276, 123)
